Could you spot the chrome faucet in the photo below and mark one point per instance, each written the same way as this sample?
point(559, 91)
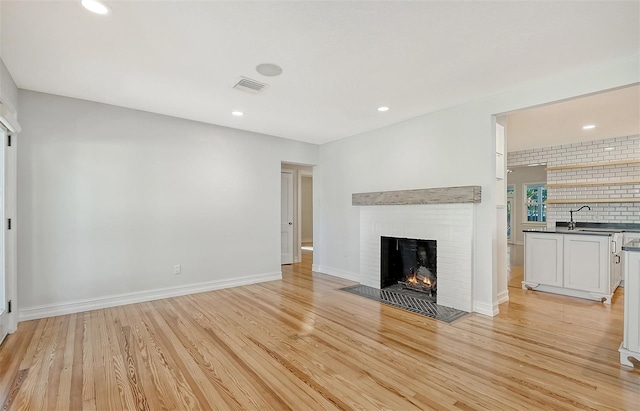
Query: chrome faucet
point(572, 224)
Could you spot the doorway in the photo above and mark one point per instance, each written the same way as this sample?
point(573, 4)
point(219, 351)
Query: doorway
point(305, 192)
point(300, 240)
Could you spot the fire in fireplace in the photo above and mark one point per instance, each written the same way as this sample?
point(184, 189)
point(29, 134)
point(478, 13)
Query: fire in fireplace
point(409, 263)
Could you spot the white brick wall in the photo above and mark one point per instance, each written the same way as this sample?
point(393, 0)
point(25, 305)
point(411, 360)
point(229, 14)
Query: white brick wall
point(619, 149)
point(600, 213)
point(451, 225)
point(586, 152)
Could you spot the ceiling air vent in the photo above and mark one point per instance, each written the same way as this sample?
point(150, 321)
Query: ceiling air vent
point(250, 85)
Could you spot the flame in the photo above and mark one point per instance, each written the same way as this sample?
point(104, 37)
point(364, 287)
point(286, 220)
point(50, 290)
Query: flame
point(414, 279)
point(426, 281)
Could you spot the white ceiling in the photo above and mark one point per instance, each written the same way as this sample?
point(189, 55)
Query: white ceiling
point(341, 60)
point(614, 113)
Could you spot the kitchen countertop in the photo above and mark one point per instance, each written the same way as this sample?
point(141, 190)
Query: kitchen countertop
point(617, 227)
point(564, 230)
point(633, 245)
point(603, 229)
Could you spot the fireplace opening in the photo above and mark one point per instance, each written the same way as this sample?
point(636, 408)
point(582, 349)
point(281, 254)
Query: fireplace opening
point(410, 265)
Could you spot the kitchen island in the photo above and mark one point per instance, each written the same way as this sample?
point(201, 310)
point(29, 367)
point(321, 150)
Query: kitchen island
point(630, 346)
point(585, 262)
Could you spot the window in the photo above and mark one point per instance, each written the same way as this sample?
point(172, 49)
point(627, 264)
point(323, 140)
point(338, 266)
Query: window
point(535, 202)
point(511, 191)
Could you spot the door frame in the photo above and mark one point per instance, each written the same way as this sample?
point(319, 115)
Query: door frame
point(512, 199)
point(293, 229)
point(10, 250)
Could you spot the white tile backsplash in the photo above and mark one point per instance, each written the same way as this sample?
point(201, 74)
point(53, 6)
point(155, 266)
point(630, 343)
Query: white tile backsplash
point(624, 148)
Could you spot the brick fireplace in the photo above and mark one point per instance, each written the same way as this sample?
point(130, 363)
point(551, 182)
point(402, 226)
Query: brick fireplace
point(447, 219)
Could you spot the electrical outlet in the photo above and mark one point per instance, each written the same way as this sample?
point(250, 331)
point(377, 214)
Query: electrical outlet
point(177, 269)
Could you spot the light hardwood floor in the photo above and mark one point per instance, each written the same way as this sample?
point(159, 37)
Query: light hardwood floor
point(301, 344)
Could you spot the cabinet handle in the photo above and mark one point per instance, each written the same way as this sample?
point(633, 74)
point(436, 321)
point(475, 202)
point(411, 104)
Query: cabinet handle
point(619, 259)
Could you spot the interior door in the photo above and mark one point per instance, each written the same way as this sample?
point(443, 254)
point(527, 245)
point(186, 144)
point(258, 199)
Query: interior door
point(3, 277)
point(286, 218)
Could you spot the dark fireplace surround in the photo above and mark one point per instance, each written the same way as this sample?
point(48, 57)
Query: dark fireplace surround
point(409, 263)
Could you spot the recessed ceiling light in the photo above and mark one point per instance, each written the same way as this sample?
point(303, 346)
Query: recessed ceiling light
point(95, 6)
point(269, 70)
point(237, 113)
point(383, 108)
point(589, 127)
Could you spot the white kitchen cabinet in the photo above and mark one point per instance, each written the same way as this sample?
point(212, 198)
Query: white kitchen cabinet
point(630, 346)
point(628, 236)
point(547, 270)
point(587, 263)
point(578, 265)
point(616, 270)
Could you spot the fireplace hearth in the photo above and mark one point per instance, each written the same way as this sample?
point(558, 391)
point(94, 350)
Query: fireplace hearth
point(407, 300)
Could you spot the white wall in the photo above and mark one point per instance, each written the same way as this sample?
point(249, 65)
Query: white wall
point(111, 198)
point(431, 151)
point(8, 89)
point(451, 147)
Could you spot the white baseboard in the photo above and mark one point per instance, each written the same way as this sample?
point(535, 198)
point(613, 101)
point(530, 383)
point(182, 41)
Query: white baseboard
point(503, 297)
point(336, 272)
point(52, 310)
point(486, 309)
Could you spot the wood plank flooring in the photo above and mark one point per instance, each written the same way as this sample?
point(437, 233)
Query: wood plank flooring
point(301, 344)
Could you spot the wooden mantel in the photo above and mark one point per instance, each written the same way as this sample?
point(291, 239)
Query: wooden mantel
point(440, 195)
